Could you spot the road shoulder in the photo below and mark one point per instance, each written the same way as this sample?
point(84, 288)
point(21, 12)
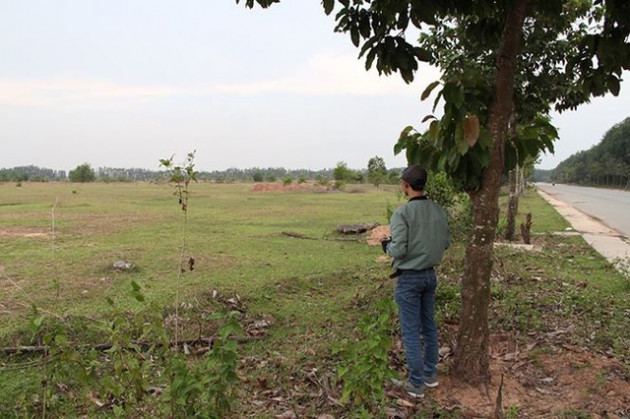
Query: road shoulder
point(606, 241)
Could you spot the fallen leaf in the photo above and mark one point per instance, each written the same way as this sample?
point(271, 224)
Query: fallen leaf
point(404, 403)
point(287, 415)
point(95, 400)
point(511, 356)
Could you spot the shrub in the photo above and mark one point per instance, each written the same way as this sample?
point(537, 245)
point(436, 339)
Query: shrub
point(82, 173)
point(440, 188)
point(322, 180)
point(341, 172)
point(365, 362)
point(376, 170)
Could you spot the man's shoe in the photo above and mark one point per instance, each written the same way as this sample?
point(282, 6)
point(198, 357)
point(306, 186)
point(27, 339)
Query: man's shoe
point(411, 389)
point(431, 381)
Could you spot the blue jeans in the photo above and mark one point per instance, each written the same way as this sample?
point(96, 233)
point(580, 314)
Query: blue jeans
point(415, 295)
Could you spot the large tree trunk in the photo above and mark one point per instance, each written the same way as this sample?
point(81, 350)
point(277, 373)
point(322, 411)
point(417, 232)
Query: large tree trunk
point(512, 204)
point(472, 352)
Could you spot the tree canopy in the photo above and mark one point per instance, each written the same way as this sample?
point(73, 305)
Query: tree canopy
point(82, 173)
point(606, 164)
point(377, 171)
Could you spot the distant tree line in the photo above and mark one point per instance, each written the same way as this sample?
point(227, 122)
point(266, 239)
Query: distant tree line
point(258, 174)
point(375, 173)
point(541, 175)
point(31, 173)
point(605, 164)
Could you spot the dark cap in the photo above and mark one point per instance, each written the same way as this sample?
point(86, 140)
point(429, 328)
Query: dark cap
point(416, 176)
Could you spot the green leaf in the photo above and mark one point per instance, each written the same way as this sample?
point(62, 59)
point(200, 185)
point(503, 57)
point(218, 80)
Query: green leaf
point(613, 85)
point(406, 131)
point(460, 140)
point(437, 99)
point(434, 129)
point(364, 25)
point(61, 339)
point(328, 6)
point(426, 118)
point(35, 324)
point(422, 54)
point(370, 58)
point(428, 90)
point(354, 36)
point(38, 321)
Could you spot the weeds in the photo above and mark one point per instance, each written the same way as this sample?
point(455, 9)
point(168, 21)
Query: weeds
point(364, 367)
point(139, 371)
point(181, 176)
point(513, 412)
point(56, 284)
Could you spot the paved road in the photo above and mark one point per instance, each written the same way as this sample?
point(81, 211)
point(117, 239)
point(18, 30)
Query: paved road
point(611, 207)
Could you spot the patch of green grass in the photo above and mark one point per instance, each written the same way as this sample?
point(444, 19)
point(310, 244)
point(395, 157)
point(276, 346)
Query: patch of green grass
point(235, 237)
point(575, 414)
point(545, 292)
point(545, 219)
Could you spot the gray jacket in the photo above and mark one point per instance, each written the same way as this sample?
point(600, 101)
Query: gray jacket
point(420, 234)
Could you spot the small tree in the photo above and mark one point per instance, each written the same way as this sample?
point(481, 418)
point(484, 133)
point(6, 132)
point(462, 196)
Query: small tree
point(258, 176)
point(341, 172)
point(82, 173)
point(376, 170)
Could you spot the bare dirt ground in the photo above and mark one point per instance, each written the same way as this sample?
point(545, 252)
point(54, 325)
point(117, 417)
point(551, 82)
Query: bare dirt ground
point(566, 381)
point(21, 231)
point(293, 187)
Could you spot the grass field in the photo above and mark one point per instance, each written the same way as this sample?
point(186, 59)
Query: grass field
point(234, 235)
point(313, 291)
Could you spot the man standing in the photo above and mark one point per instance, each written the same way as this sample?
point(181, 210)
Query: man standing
point(419, 236)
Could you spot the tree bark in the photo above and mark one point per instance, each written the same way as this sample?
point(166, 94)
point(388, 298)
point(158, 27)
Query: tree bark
point(472, 352)
point(520, 189)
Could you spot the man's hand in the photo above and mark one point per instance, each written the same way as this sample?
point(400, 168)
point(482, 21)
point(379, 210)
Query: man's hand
point(385, 243)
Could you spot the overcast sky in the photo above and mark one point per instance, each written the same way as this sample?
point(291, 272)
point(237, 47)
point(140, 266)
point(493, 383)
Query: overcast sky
point(124, 83)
